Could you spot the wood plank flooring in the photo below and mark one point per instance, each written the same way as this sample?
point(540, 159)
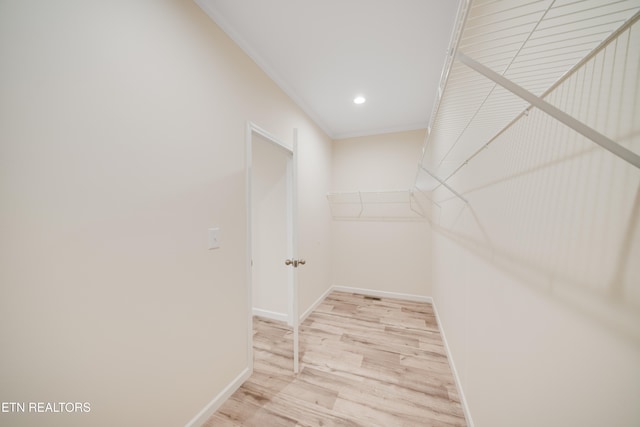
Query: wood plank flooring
point(364, 362)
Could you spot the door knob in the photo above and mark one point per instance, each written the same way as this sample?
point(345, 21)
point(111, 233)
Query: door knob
point(295, 262)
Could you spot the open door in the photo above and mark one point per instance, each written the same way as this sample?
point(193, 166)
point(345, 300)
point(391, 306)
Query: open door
point(272, 234)
point(295, 261)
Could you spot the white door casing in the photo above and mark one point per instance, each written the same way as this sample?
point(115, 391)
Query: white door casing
point(292, 232)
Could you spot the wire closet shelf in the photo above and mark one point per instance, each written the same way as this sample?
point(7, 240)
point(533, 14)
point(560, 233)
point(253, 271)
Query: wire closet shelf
point(534, 45)
point(387, 205)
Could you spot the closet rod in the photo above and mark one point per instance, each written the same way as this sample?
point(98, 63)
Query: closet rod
point(554, 112)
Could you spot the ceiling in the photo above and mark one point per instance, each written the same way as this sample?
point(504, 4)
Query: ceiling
point(325, 53)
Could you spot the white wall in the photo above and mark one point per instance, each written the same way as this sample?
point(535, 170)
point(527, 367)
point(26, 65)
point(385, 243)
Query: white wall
point(376, 162)
point(390, 256)
point(121, 142)
point(270, 275)
point(537, 281)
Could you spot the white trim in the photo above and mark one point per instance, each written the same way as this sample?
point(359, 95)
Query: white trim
point(263, 64)
point(217, 401)
point(315, 304)
point(363, 291)
point(281, 317)
point(291, 172)
point(463, 400)
point(383, 294)
point(252, 127)
point(213, 406)
point(248, 190)
point(418, 298)
point(292, 211)
point(380, 131)
point(291, 243)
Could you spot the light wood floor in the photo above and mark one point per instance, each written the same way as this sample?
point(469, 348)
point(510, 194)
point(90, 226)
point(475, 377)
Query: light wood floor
point(364, 362)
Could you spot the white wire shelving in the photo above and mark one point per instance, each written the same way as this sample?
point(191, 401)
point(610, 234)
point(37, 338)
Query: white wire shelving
point(534, 44)
point(387, 205)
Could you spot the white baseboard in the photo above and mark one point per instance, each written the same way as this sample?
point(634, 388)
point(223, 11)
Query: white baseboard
point(418, 298)
point(217, 401)
point(363, 291)
point(315, 304)
point(463, 401)
point(382, 294)
point(213, 406)
point(282, 317)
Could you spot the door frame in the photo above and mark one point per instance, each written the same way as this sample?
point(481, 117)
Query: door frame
point(292, 232)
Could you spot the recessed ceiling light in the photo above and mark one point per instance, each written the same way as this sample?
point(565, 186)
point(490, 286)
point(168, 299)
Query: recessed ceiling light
point(359, 100)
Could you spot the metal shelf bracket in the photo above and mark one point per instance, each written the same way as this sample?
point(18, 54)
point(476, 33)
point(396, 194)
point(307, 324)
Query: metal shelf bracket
point(595, 136)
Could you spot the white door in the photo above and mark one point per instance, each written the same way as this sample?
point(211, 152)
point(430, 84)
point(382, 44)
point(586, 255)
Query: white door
point(272, 231)
point(295, 261)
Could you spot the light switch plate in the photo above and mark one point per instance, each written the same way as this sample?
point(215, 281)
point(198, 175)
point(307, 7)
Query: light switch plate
point(214, 238)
